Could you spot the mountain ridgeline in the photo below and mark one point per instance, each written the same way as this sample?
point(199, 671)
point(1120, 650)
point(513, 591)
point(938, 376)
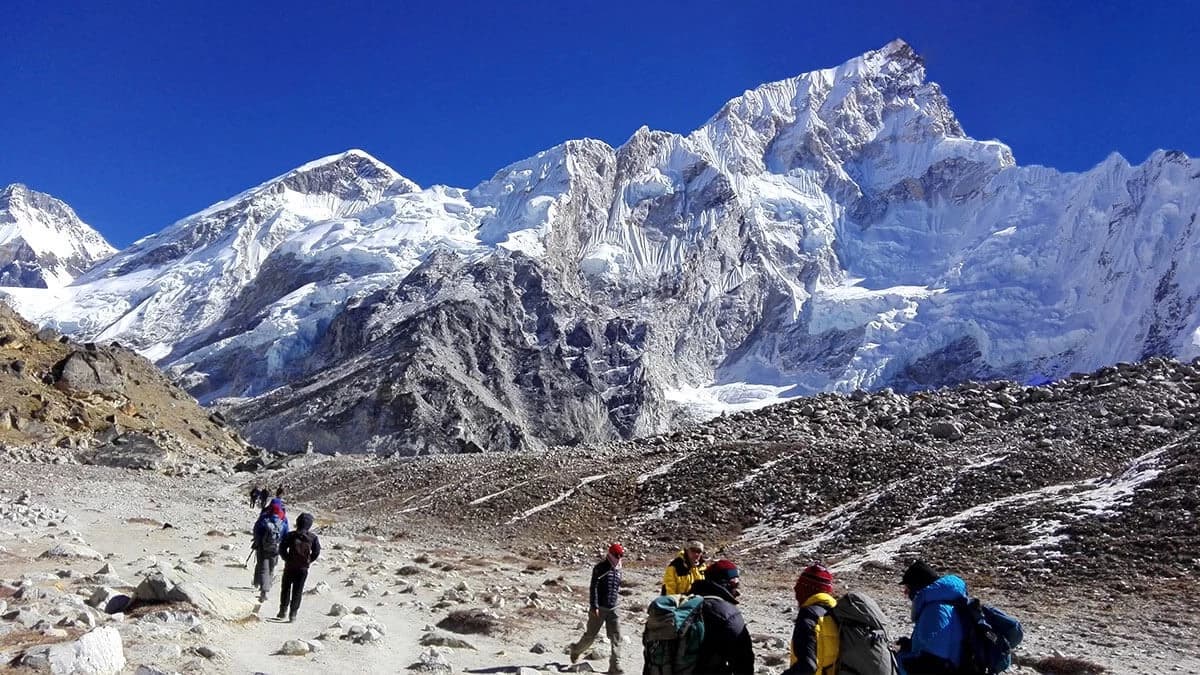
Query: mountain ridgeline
point(830, 232)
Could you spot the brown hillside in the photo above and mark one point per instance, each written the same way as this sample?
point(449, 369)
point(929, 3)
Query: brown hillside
point(65, 402)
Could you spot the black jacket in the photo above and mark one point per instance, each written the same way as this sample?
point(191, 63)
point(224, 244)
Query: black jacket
point(606, 585)
point(303, 523)
point(727, 649)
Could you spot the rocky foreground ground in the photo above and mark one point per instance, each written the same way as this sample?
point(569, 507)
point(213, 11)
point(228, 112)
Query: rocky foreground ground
point(1072, 505)
point(416, 599)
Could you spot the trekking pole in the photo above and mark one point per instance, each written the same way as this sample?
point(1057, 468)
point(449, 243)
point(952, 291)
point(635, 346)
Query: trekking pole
point(248, 556)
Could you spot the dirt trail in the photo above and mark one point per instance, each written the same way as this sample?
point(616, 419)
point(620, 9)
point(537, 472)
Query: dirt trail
point(411, 583)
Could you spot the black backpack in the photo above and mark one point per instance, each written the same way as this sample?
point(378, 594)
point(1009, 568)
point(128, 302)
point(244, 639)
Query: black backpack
point(300, 554)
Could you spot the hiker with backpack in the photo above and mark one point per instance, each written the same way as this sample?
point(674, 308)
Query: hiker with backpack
point(603, 593)
point(269, 532)
point(953, 634)
point(254, 496)
point(843, 636)
point(299, 550)
point(935, 647)
point(814, 646)
point(685, 569)
point(726, 648)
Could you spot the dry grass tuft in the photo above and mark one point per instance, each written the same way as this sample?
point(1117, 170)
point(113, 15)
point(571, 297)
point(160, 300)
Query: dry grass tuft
point(1061, 665)
point(469, 622)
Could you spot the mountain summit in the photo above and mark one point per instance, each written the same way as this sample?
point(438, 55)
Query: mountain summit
point(832, 231)
point(42, 242)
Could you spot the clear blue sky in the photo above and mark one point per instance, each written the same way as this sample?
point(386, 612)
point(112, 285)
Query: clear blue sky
point(138, 114)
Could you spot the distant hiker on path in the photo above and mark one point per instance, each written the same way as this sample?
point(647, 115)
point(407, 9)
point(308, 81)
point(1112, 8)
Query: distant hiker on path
point(255, 496)
point(937, 636)
point(727, 649)
point(603, 594)
point(300, 549)
point(684, 570)
point(269, 531)
point(278, 498)
point(815, 644)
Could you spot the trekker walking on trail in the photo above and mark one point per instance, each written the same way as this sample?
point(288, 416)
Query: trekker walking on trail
point(603, 593)
point(684, 570)
point(255, 496)
point(937, 636)
point(726, 649)
point(300, 549)
point(815, 644)
point(269, 531)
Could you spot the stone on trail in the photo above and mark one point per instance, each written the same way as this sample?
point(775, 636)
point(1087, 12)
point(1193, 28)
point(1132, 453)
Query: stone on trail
point(431, 661)
point(72, 551)
point(98, 652)
point(443, 640)
point(338, 609)
point(217, 602)
point(320, 589)
point(153, 670)
point(157, 584)
point(295, 648)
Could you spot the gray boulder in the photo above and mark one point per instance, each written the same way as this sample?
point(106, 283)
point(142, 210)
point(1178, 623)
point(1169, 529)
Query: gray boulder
point(98, 652)
point(87, 372)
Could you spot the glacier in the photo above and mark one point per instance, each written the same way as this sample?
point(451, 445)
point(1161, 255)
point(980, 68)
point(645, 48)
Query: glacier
point(828, 232)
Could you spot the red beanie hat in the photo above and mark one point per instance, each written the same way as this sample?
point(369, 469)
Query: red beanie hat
point(815, 578)
point(616, 549)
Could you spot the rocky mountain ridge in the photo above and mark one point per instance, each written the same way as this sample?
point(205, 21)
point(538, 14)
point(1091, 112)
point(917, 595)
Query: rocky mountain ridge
point(42, 242)
point(829, 232)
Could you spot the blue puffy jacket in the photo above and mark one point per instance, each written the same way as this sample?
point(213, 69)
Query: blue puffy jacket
point(937, 632)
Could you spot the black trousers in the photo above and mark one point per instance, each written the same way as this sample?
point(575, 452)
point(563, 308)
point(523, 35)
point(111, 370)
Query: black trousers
point(291, 589)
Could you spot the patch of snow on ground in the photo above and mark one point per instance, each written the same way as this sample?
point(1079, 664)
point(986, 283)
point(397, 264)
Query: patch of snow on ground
point(542, 507)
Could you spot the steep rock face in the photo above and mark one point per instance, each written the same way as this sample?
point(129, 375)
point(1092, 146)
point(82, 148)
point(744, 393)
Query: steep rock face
point(43, 244)
point(832, 231)
point(462, 357)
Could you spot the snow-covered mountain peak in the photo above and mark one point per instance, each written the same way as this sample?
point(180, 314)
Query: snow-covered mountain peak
point(43, 243)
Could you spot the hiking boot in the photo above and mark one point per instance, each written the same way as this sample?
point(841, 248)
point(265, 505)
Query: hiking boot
point(279, 616)
point(292, 618)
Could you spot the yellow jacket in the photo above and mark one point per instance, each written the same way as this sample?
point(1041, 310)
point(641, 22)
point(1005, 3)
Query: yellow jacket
point(679, 575)
point(815, 643)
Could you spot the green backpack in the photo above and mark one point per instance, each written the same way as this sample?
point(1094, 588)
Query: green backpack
point(673, 634)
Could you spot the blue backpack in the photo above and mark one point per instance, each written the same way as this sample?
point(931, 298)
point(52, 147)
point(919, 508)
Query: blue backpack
point(989, 636)
point(673, 634)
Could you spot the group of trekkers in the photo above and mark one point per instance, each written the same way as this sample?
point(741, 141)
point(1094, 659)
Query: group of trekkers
point(695, 627)
point(274, 539)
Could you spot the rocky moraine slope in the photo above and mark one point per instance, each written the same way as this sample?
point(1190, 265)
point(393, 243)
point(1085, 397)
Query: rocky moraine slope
point(1088, 479)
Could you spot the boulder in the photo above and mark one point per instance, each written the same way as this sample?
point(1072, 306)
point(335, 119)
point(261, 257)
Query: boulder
point(157, 584)
point(132, 451)
point(217, 602)
point(86, 372)
point(98, 652)
point(72, 551)
point(295, 648)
